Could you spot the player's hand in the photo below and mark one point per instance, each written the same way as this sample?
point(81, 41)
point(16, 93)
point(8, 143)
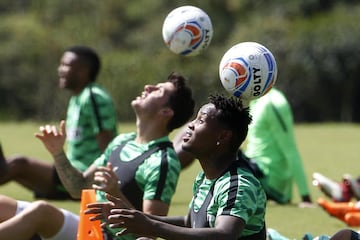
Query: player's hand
point(132, 220)
point(106, 180)
point(53, 138)
point(99, 211)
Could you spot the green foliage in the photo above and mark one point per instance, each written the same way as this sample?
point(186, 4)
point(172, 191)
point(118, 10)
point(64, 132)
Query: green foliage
point(315, 44)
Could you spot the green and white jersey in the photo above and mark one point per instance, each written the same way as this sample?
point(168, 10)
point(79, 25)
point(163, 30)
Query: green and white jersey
point(236, 193)
point(88, 112)
point(156, 176)
point(271, 142)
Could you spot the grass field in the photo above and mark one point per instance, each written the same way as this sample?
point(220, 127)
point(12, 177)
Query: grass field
point(331, 149)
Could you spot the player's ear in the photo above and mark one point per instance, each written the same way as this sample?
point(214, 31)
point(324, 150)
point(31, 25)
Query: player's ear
point(84, 74)
point(225, 136)
point(167, 112)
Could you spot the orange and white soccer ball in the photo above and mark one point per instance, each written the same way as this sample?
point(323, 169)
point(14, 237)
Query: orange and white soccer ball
point(248, 70)
point(187, 30)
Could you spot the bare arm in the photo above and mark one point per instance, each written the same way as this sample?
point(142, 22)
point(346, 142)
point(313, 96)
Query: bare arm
point(102, 210)
point(103, 138)
point(73, 180)
point(180, 221)
point(226, 227)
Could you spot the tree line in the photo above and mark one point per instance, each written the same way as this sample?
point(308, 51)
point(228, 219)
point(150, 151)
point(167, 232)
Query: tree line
point(315, 44)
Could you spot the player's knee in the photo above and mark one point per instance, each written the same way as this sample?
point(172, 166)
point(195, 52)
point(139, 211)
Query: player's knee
point(46, 209)
point(43, 208)
point(39, 212)
point(18, 164)
point(18, 160)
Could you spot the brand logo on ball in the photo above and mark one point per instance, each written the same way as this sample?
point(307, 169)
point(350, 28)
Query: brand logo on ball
point(237, 74)
point(187, 31)
point(195, 34)
point(260, 66)
point(239, 70)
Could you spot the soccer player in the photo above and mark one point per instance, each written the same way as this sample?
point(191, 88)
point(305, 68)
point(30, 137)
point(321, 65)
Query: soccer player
point(147, 167)
point(228, 202)
point(90, 123)
point(271, 143)
point(142, 167)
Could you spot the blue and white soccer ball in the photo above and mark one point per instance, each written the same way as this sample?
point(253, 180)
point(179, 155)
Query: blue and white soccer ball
point(187, 30)
point(248, 70)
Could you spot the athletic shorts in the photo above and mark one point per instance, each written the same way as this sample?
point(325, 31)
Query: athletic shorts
point(69, 228)
point(59, 192)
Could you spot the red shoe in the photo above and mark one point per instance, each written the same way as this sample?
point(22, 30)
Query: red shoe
point(354, 185)
point(338, 192)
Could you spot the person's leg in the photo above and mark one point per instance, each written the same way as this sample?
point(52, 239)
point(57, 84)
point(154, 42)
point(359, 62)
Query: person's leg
point(2, 162)
point(34, 219)
point(36, 175)
point(58, 192)
point(69, 228)
point(10, 207)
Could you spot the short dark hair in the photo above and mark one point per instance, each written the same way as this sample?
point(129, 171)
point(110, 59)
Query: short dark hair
point(88, 56)
point(232, 115)
point(181, 101)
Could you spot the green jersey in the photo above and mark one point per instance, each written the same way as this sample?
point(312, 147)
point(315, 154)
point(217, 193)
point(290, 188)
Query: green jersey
point(88, 113)
point(156, 176)
point(236, 193)
point(271, 143)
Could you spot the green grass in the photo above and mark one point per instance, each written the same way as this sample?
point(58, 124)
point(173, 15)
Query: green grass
point(332, 149)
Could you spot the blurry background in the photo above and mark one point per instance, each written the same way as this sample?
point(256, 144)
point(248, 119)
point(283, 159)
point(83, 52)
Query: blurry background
point(315, 42)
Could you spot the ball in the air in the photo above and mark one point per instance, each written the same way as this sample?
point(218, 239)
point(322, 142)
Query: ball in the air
point(187, 31)
point(248, 70)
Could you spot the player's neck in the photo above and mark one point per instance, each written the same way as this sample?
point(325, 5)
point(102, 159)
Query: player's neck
point(149, 131)
point(214, 165)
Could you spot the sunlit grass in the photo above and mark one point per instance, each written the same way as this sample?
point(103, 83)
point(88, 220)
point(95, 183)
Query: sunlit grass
point(332, 149)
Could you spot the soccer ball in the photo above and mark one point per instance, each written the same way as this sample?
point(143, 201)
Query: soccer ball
point(187, 31)
point(248, 70)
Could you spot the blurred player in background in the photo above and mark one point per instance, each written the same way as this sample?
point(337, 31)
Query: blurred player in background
point(90, 124)
point(271, 143)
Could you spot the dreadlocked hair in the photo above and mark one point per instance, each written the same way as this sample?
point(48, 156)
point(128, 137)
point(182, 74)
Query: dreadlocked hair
point(233, 116)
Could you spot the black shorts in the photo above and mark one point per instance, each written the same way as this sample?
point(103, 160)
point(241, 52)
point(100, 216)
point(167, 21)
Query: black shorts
point(58, 193)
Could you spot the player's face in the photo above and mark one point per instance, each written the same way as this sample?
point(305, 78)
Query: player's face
point(202, 133)
point(68, 71)
point(153, 98)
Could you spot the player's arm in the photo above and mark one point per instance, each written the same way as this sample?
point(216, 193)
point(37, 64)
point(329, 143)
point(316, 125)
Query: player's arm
point(73, 180)
point(104, 137)
point(155, 207)
point(105, 114)
point(181, 221)
point(226, 227)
